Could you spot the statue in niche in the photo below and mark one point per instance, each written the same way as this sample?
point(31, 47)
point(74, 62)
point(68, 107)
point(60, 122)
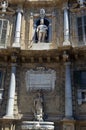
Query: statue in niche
point(42, 31)
point(4, 5)
point(38, 104)
point(5, 9)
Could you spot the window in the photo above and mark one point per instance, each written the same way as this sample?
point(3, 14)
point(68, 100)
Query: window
point(3, 32)
point(80, 79)
point(80, 82)
point(81, 96)
point(81, 24)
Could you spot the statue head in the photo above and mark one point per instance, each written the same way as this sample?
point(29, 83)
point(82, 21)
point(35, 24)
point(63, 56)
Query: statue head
point(4, 4)
point(42, 13)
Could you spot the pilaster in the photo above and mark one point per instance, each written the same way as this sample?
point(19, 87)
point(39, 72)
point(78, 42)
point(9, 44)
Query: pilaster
point(16, 43)
point(66, 26)
point(68, 91)
point(12, 87)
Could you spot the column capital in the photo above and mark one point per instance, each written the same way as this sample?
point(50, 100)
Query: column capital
point(19, 10)
point(65, 56)
point(67, 63)
point(13, 64)
point(13, 59)
point(65, 6)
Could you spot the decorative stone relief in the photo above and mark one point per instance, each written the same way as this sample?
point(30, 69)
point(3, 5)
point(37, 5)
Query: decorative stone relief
point(40, 79)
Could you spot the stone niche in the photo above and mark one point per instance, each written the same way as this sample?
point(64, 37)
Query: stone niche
point(40, 79)
point(47, 20)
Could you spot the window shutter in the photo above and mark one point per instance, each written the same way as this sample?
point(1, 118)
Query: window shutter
point(80, 30)
point(3, 32)
point(83, 80)
point(77, 78)
point(85, 24)
point(0, 79)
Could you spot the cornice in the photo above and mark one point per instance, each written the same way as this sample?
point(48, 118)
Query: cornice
point(37, 2)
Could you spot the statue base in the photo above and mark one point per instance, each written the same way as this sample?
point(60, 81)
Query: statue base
point(66, 43)
point(40, 46)
point(34, 125)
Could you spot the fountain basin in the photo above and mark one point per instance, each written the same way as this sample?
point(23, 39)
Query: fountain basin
point(37, 125)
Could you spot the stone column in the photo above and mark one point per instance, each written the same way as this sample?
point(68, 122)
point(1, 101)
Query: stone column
point(68, 91)
point(11, 96)
point(18, 29)
point(66, 26)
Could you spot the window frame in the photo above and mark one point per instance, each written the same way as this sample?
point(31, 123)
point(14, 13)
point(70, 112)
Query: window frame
point(81, 91)
point(2, 84)
point(4, 45)
point(83, 41)
point(77, 79)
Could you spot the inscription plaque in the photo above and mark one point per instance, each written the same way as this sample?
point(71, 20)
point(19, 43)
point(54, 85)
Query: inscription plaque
point(40, 79)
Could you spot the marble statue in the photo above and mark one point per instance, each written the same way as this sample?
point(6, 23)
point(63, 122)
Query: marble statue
point(4, 5)
point(42, 31)
point(42, 13)
point(38, 107)
point(4, 9)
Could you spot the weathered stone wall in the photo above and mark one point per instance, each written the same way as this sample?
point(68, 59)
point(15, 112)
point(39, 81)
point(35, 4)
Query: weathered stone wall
point(53, 100)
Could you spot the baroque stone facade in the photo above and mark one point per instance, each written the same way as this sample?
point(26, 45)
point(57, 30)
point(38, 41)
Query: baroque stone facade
point(43, 83)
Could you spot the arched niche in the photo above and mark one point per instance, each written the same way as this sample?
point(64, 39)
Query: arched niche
point(47, 22)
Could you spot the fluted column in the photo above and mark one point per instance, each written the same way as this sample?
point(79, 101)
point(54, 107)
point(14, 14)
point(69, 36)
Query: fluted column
point(18, 28)
point(66, 26)
point(68, 91)
point(11, 96)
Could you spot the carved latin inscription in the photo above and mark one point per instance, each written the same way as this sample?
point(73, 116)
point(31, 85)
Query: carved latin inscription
point(40, 79)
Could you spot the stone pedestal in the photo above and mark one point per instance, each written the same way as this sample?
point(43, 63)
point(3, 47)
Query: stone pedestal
point(68, 125)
